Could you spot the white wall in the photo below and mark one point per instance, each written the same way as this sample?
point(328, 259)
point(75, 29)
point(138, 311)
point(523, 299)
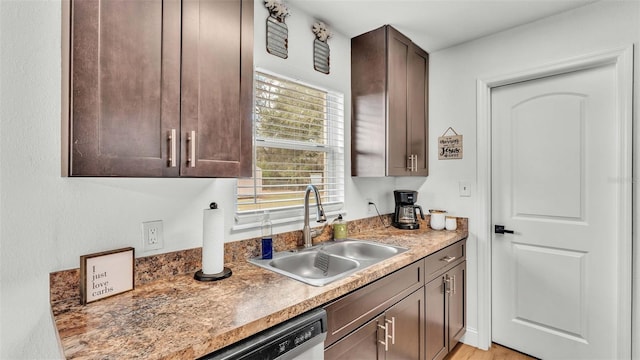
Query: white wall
point(454, 71)
point(49, 221)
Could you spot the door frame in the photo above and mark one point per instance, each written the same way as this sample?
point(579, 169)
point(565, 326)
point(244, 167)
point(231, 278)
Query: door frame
point(622, 58)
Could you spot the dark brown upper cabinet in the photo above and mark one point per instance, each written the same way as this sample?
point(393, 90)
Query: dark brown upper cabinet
point(389, 90)
point(157, 88)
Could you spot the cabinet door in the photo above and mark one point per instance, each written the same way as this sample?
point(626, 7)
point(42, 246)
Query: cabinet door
point(361, 344)
point(407, 328)
point(369, 103)
point(408, 68)
point(217, 75)
point(389, 89)
point(417, 110)
point(351, 311)
point(399, 48)
point(436, 319)
point(457, 303)
point(124, 87)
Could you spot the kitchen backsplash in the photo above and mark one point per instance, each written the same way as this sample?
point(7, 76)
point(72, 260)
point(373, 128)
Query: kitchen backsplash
point(65, 285)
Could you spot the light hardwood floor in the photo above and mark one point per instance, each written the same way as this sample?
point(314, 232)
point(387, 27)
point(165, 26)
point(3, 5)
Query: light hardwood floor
point(497, 352)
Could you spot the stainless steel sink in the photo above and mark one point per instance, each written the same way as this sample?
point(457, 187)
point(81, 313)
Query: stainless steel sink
point(362, 250)
point(330, 261)
point(306, 265)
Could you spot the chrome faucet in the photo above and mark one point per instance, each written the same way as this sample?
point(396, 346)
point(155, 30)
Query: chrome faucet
point(307, 234)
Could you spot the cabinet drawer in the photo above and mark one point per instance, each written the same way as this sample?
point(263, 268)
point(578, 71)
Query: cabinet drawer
point(349, 312)
point(450, 255)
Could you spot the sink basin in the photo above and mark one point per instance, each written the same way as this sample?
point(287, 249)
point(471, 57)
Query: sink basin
point(361, 250)
point(304, 264)
point(328, 262)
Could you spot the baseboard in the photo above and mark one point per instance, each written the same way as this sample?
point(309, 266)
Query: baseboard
point(471, 338)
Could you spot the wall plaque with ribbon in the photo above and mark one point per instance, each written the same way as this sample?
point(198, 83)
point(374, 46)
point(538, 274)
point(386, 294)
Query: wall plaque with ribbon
point(450, 146)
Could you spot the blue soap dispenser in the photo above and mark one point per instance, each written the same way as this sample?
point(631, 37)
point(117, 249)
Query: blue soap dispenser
point(267, 237)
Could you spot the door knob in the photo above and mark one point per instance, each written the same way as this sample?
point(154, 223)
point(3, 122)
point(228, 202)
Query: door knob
point(499, 229)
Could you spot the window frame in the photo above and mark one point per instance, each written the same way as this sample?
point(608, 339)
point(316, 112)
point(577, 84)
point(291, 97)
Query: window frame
point(251, 219)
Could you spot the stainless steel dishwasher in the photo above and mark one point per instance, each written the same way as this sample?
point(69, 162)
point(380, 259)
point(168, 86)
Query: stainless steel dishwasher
point(300, 338)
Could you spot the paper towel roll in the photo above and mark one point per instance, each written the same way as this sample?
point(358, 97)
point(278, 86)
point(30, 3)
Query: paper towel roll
point(213, 241)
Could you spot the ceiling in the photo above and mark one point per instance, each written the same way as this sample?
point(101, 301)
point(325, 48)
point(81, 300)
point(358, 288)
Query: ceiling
point(432, 24)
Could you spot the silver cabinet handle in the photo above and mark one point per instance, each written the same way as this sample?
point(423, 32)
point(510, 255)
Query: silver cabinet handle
point(453, 290)
point(172, 148)
point(448, 259)
point(413, 163)
point(191, 145)
point(388, 323)
point(386, 336)
point(447, 284)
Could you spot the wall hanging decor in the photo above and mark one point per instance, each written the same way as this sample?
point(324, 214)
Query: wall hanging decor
point(277, 32)
point(450, 147)
point(320, 47)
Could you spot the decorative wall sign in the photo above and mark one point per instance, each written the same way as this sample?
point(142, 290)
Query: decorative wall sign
point(450, 147)
point(277, 31)
point(106, 274)
point(320, 47)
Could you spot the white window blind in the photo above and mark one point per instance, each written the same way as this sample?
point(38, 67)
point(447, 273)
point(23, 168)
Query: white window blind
point(298, 140)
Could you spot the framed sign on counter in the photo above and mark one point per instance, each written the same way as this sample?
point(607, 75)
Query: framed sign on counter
point(106, 274)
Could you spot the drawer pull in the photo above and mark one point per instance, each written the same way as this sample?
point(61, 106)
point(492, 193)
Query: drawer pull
point(448, 259)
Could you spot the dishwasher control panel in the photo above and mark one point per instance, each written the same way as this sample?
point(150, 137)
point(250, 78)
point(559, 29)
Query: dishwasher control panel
point(289, 342)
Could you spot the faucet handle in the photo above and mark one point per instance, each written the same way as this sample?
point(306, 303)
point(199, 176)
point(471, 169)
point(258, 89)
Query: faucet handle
point(316, 232)
point(320, 216)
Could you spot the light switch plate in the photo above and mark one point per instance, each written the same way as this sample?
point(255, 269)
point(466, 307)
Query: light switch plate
point(465, 188)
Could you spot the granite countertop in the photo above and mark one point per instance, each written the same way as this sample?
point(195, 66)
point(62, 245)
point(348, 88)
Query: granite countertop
point(180, 318)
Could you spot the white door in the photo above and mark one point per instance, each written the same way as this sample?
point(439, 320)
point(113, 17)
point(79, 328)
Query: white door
point(555, 159)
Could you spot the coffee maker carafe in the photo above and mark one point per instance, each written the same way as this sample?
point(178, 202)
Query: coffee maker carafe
point(405, 216)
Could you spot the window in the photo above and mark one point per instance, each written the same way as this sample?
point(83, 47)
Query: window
point(298, 140)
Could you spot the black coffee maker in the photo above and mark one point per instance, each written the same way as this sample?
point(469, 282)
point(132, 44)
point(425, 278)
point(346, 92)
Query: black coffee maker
point(405, 216)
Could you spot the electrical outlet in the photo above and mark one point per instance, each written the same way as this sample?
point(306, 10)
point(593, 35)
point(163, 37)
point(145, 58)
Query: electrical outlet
point(152, 235)
point(371, 209)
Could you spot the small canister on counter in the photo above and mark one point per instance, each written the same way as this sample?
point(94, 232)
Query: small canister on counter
point(339, 228)
point(451, 223)
point(437, 219)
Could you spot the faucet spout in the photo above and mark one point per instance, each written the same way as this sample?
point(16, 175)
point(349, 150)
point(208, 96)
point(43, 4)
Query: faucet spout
point(320, 217)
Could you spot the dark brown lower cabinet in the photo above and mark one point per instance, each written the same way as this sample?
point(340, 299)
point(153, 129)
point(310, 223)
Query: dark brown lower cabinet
point(436, 315)
point(405, 329)
point(396, 334)
point(360, 344)
point(415, 313)
point(457, 301)
point(445, 297)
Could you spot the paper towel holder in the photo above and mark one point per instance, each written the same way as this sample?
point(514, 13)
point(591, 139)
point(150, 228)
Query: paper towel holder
point(200, 276)
point(225, 273)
